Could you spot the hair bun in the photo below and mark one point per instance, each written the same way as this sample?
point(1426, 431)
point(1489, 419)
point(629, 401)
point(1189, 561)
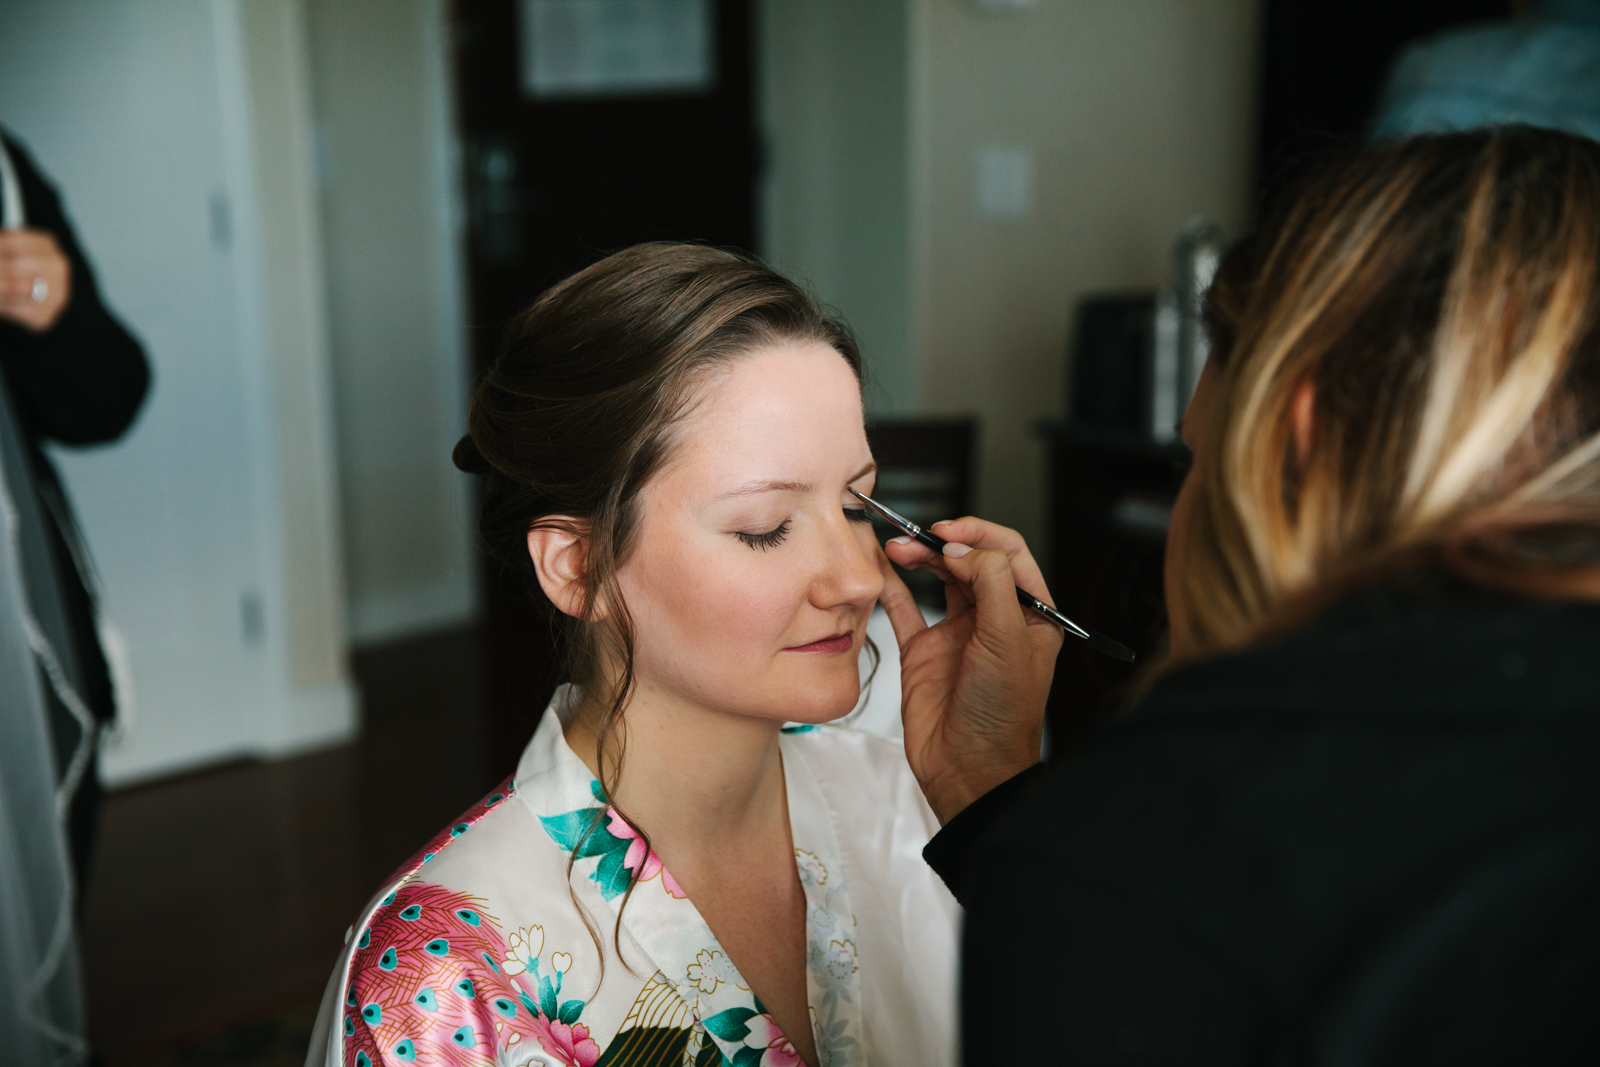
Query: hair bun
point(467, 457)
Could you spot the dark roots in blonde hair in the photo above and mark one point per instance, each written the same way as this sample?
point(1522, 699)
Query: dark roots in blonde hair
point(1442, 296)
point(576, 415)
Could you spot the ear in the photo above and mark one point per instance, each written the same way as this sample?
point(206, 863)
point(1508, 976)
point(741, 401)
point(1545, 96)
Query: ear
point(560, 554)
point(1303, 421)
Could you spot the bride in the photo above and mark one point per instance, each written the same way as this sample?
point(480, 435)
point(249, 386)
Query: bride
point(689, 866)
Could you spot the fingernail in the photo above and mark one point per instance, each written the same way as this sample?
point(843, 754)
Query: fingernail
point(899, 540)
point(955, 551)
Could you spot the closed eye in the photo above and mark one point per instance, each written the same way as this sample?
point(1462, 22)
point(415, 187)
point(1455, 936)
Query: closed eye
point(771, 539)
point(857, 515)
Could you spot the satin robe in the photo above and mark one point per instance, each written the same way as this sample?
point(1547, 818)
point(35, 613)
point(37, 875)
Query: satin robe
point(477, 951)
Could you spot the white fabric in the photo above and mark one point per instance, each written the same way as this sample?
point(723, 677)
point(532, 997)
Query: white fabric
point(41, 1018)
point(13, 215)
point(881, 926)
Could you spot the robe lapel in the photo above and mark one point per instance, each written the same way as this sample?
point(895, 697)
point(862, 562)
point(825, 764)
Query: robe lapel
point(833, 981)
point(659, 916)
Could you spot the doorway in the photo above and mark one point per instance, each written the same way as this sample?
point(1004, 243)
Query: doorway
point(559, 177)
point(576, 159)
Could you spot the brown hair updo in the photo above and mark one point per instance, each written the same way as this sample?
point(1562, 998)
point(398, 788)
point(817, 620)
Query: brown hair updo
point(577, 413)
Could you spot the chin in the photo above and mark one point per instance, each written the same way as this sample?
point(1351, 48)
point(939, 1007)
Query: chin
point(823, 700)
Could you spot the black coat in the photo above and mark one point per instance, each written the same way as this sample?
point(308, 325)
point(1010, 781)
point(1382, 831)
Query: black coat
point(82, 381)
point(1374, 840)
point(79, 383)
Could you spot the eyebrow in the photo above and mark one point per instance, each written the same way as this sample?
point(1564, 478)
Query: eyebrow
point(752, 488)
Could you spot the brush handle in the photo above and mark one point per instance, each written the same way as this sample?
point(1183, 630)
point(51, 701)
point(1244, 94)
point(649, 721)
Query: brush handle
point(1097, 641)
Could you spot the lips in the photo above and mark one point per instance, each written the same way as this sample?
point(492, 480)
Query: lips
point(837, 643)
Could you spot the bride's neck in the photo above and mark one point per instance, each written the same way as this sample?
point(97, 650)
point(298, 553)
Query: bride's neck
point(691, 776)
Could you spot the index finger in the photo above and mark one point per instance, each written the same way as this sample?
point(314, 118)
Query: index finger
point(981, 535)
point(25, 242)
point(898, 603)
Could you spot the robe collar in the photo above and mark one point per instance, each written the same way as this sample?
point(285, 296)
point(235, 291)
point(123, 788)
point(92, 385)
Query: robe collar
point(553, 783)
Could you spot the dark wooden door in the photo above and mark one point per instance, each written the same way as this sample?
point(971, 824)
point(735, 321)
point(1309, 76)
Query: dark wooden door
point(554, 184)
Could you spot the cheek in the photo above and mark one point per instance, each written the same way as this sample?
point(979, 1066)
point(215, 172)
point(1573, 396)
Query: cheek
point(714, 601)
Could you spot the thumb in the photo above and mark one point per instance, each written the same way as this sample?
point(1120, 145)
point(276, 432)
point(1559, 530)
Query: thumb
point(994, 589)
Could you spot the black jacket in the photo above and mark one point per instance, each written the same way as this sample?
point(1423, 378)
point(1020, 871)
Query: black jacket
point(1375, 840)
point(79, 383)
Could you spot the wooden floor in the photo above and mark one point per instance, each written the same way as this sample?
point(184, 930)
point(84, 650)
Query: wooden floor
point(221, 898)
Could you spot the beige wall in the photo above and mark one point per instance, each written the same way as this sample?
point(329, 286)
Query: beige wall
point(381, 101)
point(1139, 115)
point(273, 38)
point(835, 211)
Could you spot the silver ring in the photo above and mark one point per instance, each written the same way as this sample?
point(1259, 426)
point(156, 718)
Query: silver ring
point(41, 291)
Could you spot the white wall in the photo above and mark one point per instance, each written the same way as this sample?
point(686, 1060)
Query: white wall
point(391, 218)
point(289, 249)
point(175, 132)
point(1137, 115)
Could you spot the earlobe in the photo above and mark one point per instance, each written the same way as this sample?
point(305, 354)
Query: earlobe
point(560, 556)
point(1303, 421)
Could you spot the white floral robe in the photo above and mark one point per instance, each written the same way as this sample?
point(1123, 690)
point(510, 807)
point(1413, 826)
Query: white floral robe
point(474, 953)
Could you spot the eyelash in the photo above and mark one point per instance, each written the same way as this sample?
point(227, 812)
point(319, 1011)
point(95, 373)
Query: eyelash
point(771, 539)
point(775, 537)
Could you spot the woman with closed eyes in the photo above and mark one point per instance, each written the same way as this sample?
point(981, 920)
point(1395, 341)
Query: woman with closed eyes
point(690, 866)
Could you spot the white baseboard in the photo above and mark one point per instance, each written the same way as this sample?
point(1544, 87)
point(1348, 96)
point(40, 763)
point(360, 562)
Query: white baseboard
point(317, 719)
point(308, 721)
point(388, 614)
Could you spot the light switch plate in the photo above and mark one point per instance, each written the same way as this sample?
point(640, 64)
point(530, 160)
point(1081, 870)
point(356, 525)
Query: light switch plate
point(1003, 182)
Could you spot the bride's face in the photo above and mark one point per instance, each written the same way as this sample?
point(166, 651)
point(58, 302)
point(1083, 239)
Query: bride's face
point(754, 570)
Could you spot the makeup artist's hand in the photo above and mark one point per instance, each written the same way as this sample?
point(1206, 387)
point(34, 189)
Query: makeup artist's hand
point(973, 685)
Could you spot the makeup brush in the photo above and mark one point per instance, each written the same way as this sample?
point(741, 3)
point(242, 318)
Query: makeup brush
point(1097, 641)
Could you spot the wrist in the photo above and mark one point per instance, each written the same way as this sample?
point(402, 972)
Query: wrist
point(951, 793)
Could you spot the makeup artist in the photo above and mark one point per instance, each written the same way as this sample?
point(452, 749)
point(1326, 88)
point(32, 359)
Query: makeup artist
point(1354, 818)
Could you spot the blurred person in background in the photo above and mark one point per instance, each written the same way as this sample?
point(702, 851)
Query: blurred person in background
point(71, 374)
point(1355, 818)
point(1541, 68)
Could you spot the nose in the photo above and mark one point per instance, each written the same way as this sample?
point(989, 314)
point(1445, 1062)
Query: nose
point(847, 572)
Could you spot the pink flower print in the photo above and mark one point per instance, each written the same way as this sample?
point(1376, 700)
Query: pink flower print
point(709, 970)
point(841, 959)
point(642, 861)
point(572, 1045)
point(812, 872)
point(776, 1051)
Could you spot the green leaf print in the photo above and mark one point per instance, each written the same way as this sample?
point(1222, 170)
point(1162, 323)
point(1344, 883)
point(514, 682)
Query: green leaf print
point(579, 832)
point(729, 1025)
point(583, 833)
point(570, 1011)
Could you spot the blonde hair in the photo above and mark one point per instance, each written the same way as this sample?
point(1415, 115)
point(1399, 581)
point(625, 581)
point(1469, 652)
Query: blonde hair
point(1442, 296)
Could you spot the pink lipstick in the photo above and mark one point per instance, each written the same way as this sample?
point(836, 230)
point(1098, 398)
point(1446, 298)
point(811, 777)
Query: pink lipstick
point(837, 643)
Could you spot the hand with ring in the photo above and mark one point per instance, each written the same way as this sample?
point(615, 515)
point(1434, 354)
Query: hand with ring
point(35, 279)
